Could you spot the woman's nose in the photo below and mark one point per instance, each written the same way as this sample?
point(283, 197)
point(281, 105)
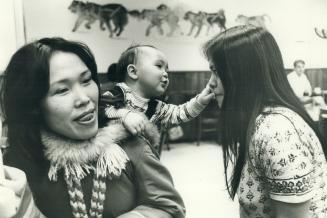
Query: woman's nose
point(213, 83)
point(81, 97)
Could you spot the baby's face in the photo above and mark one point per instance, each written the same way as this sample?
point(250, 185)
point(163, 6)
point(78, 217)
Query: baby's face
point(152, 67)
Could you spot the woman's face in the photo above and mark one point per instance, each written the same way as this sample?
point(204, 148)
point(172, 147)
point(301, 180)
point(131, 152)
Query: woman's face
point(215, 85)
point(70, 107)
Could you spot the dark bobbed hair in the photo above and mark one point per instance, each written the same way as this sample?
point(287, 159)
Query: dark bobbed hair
point(26, 83)
point(298, 61)
point(250, 66)
point(117, 72)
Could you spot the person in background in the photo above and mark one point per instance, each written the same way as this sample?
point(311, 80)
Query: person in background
point(75, 166)
point(277, 153)
point(299, 82)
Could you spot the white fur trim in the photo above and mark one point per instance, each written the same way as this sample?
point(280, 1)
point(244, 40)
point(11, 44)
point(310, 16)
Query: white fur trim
point(77, 157)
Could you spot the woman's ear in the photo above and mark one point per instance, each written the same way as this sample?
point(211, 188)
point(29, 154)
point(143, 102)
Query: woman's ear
point(132, 71)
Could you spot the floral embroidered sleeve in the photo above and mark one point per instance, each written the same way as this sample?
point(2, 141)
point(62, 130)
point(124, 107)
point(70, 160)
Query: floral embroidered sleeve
point(284, 159)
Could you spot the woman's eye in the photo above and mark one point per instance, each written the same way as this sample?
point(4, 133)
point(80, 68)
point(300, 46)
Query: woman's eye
point(159, 66)
point(87, 80)
point(213, 69)
point(212, 86)
point(61, 91)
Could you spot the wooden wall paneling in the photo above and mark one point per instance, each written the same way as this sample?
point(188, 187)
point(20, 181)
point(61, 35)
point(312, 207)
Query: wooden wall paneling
point(317, 78)
point(183, 87)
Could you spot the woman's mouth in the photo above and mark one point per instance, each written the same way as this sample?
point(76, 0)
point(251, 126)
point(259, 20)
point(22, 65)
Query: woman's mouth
point(86, 118)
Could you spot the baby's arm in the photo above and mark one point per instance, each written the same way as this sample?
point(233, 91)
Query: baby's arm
point(114, 113)
point(113, 107)
point(134, 122)
point(175, 114)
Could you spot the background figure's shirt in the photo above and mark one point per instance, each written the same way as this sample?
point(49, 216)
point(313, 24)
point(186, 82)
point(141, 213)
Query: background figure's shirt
point(164, 114)
point(285, 163)
point(299, 84)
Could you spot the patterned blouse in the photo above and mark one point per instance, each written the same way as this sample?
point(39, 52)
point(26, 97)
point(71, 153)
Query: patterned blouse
point(285, 163)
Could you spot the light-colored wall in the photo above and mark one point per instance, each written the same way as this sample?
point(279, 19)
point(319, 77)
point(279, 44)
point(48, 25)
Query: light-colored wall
point(12, 30)
point(292, 23)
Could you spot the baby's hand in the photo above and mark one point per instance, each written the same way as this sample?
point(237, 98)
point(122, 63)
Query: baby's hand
point(134, 123)
point(206, 96)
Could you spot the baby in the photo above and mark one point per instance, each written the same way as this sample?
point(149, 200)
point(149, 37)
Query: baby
point(142, 73)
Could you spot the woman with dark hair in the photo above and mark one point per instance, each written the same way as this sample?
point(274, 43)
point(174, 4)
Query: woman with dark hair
point(277, 152)
point(73, 167)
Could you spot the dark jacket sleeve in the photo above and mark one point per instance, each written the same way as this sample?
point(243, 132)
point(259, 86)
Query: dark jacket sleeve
point(154, 182)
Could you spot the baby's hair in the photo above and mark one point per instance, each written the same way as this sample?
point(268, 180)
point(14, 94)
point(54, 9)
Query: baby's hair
point(117, 73)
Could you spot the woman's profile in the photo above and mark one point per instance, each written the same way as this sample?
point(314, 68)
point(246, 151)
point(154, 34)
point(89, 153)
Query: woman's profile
point(276, 151)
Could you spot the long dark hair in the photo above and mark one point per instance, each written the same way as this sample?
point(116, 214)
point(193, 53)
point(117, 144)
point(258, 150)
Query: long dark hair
point(250, 66)
point(26, 83)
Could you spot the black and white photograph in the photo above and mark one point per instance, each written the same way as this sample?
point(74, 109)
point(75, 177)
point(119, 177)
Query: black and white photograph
point(163, 109)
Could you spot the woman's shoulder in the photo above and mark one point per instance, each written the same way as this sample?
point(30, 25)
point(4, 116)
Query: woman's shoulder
point(282, 128)
point(278, 119)
point(276, 126)
point(137, 148)
point(134, 146)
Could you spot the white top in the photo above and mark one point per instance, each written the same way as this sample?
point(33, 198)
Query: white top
point(299, 84)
